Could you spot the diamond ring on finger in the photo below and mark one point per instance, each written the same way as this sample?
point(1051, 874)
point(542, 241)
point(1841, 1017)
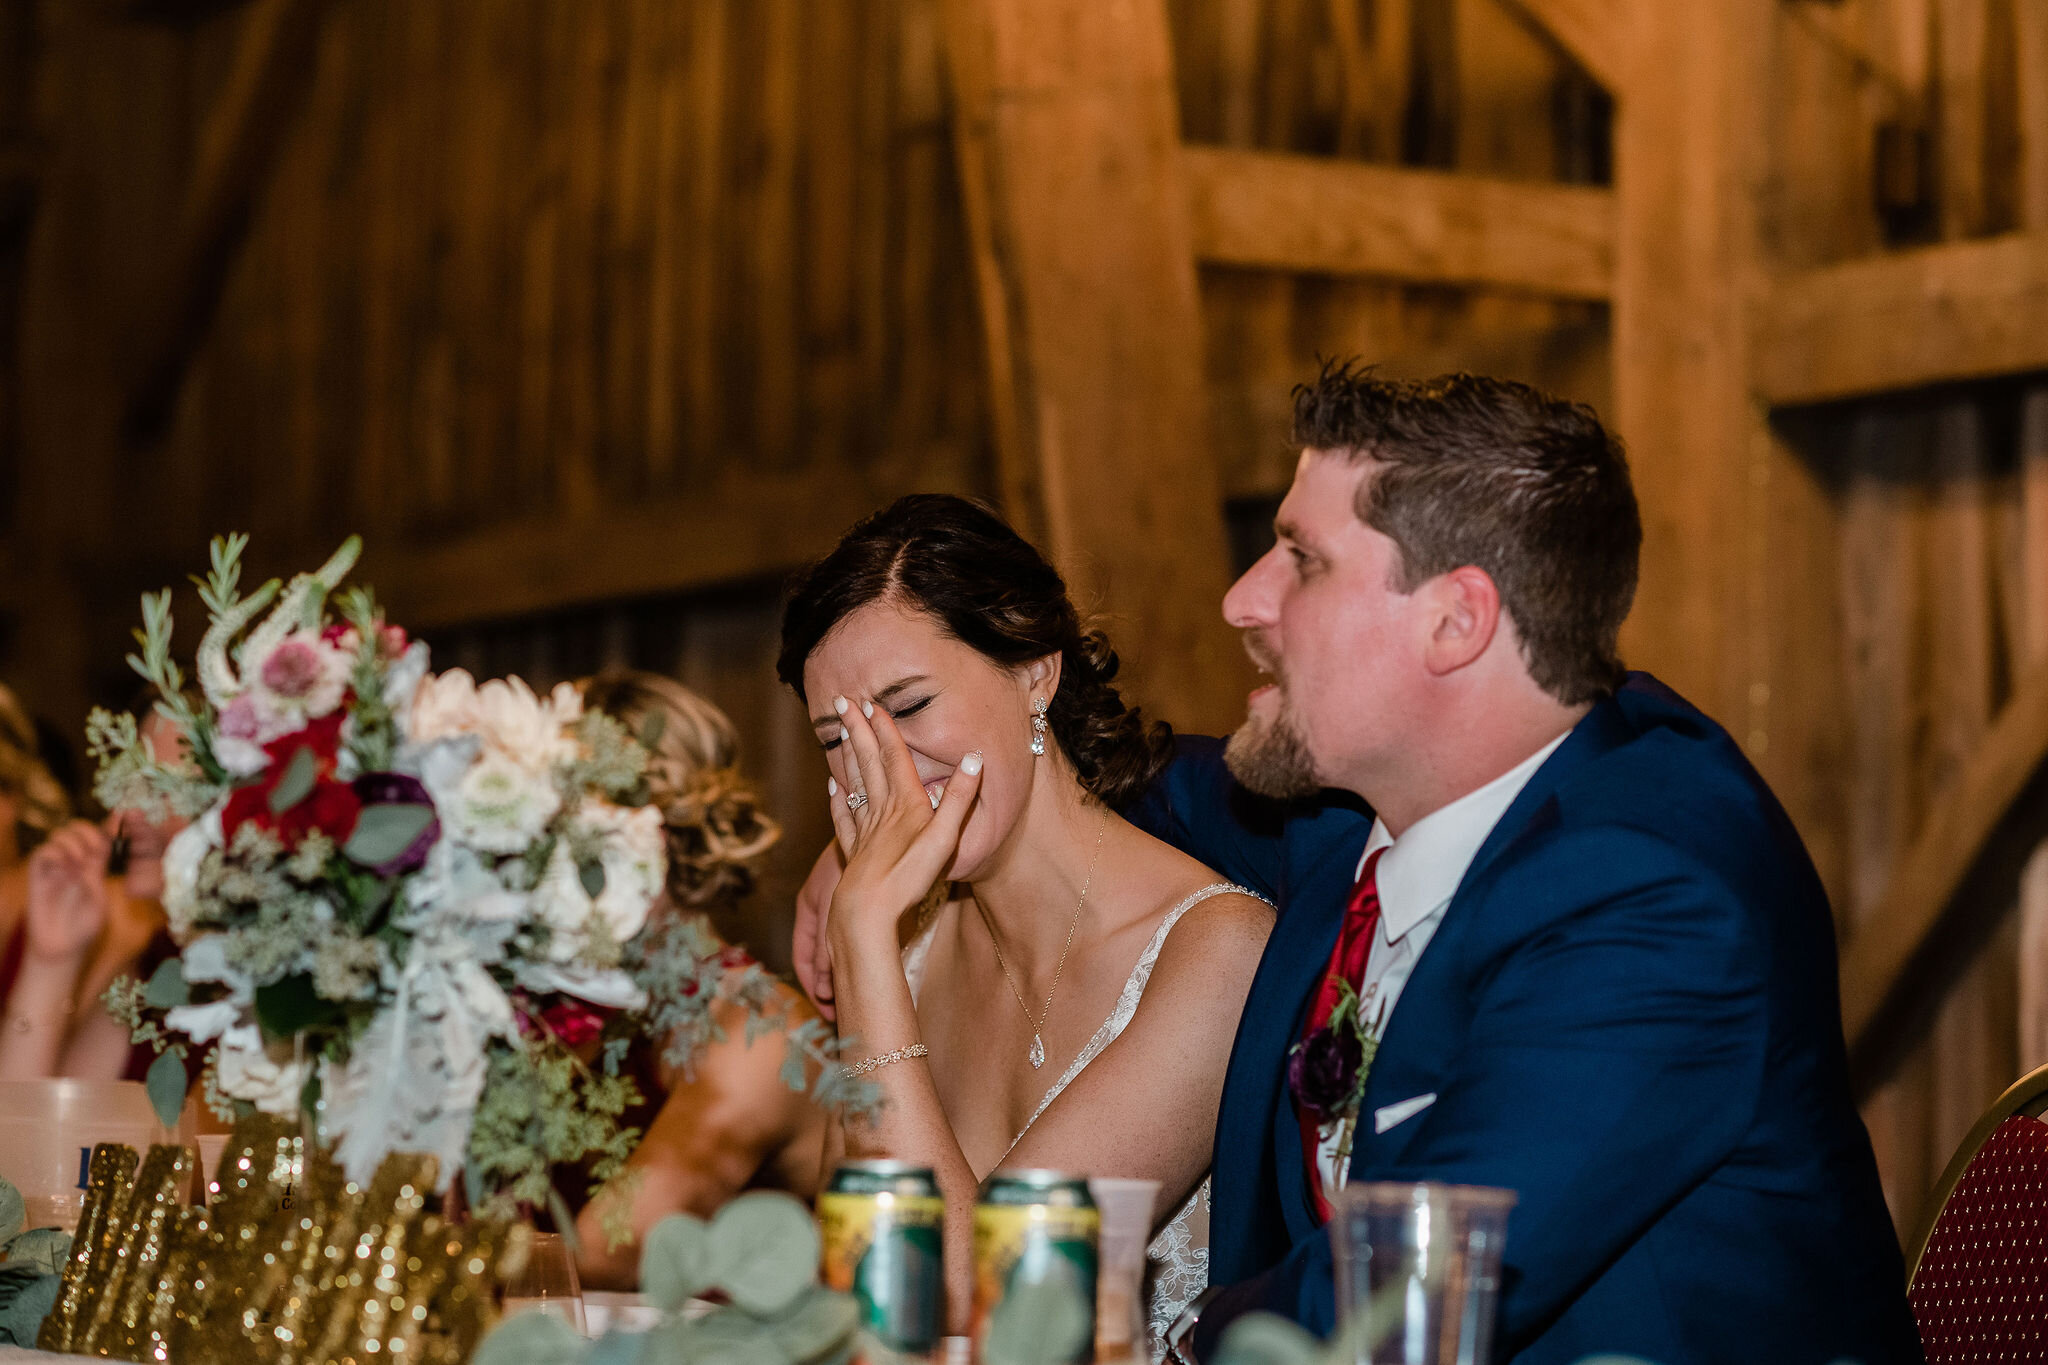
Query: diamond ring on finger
point(855, 800)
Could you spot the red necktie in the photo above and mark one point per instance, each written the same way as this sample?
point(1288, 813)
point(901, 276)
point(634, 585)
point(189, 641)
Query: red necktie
point(1347, 963)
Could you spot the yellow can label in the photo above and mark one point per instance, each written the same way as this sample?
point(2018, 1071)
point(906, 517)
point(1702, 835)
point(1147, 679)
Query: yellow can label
point(884, 1249)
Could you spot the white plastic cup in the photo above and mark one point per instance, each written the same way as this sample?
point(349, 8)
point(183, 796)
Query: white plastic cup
point(1126, 1210)
point(48, 1130)
point(1427, 1258)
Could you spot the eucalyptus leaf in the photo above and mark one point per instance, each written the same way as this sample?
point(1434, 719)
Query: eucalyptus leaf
point(727, 1337)
point(1267, 1339)
point(167, 989)
point(13, 1213)
point(818, 1324)
point(296, 784)
point(764, 1251)
point(675, 1261)
point(26, 1298)
point(620, 1348)
point(43, 1249)
point(166, 1085)
point(1040, 1322)
point(591, 874)
point(531, 1338)
point(384, 831)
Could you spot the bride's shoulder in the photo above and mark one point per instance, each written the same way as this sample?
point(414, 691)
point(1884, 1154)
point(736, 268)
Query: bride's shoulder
point(1213, 910)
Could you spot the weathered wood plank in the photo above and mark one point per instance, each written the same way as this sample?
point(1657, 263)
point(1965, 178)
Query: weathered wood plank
point(267, 86)
point(1067, 137)
point(1311, 215)
point(1964, 310)
point(1590, 30)
point(744, 526)
point(1947, 849)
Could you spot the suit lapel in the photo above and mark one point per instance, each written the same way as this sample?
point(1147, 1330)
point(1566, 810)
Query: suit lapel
point(1260, 1131)
point(1427, 1030)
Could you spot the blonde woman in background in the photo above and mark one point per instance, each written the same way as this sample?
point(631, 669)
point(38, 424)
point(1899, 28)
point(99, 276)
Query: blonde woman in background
point(731, 1122)
point(69, 923)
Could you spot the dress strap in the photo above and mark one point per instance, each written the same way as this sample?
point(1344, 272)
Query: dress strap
point(1127, 1002)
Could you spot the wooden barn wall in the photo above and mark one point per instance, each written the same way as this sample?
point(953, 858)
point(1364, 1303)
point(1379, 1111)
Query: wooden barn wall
point(1460, 85)
point(1901, 123)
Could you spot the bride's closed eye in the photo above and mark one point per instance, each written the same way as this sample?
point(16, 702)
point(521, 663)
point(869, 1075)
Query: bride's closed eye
point(901, 713)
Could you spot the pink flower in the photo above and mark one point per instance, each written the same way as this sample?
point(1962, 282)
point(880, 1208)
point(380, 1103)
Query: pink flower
point(294, 668)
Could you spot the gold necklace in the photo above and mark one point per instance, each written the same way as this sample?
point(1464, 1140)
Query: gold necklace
point(1037, 1054)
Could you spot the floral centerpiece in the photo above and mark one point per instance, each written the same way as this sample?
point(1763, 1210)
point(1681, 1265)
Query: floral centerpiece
point(410, 906)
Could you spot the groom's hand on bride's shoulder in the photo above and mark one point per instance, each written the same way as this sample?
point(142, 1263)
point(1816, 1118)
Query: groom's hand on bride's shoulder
point(810, 948)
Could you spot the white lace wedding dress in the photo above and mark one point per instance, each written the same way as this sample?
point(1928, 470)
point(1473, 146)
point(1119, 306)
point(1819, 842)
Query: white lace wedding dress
point(1180, 1253)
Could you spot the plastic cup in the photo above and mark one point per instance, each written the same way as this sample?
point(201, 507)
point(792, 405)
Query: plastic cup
point(1126, 1210)
point(1418, 1271)
point(48, 1129)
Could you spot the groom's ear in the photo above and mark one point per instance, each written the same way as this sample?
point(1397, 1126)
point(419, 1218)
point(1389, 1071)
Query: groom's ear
point(1463, 616)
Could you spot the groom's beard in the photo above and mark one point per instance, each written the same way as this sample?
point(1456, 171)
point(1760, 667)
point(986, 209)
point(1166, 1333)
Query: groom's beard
point(1271, 758)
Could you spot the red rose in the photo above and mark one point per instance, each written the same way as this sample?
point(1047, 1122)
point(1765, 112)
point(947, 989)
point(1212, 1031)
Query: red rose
point(573, 1022)
point(331, 807)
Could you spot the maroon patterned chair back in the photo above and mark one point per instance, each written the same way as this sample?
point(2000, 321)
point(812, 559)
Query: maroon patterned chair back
point(1978, 1275)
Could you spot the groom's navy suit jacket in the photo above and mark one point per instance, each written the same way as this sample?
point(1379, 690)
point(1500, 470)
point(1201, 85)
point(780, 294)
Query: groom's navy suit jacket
point(1628, 1016)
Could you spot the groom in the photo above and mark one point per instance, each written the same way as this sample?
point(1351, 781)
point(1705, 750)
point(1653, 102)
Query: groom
point(1571, 940)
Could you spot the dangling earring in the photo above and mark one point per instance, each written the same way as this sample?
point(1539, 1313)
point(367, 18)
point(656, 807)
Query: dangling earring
point(1038, 710)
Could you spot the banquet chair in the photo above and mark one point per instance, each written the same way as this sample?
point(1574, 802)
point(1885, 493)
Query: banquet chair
point(1977, 1273)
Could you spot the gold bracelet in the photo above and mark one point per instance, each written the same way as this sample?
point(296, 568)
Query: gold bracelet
point(901, 1054)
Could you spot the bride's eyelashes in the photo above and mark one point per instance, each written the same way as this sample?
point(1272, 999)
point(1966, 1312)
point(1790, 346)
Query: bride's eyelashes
point(900, 714)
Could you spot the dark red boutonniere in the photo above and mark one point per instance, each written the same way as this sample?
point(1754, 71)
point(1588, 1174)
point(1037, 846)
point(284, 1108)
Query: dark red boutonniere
point(1327, 1070)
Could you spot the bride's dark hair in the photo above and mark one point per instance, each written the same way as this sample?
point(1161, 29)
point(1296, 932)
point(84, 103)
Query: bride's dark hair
point(958, 562)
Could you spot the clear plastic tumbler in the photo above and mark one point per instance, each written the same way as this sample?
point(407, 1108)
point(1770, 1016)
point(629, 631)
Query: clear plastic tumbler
point(1418, 1271)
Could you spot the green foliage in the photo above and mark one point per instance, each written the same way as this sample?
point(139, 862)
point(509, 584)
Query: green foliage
point(761, 1254)
point(385, 831)
point(542, 1107)
point(609, 760)
point(373, 736)
point(167, 989)
point(131, 778)
point(165, 1082)
point(13, 1212)
point(44, 1250)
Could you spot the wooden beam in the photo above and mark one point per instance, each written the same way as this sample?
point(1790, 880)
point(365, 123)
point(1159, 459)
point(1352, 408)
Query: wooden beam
point(1951, 845)
point(1965, 310)
point(1590, 31)
point(1319, 216)
point(1068, 143)
point(745, 527)
point(266, 86)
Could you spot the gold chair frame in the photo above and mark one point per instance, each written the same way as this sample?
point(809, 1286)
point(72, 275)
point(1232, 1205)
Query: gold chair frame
point(2027, 1096)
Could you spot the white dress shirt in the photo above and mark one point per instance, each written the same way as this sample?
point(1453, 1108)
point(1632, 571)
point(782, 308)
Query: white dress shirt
point(1417, 876)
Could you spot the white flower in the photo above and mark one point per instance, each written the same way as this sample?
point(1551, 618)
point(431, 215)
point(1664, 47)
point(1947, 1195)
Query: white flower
point(519, 724)
point(302, 677)
point(403, 679)
point(443, 706)
point(204, 1023)
point(607, 988)
point(496, 805)
point(455, 886)
point(246, 1071)
point(183, 857)
point(633, 858)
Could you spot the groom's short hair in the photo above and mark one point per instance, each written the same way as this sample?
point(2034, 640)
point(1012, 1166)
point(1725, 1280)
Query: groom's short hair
point(1496, 474)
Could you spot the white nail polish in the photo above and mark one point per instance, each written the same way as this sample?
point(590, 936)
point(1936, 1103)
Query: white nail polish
point(971, 764)
point(831, 786)
point(867, 708)
point(844, 733)
point(839, 705)
point(935, 799)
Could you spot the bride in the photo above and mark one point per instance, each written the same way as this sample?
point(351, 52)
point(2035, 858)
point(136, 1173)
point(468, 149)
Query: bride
point(1072, 1003)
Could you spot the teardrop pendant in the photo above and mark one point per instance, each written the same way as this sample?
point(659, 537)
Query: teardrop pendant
point(1037, 1052)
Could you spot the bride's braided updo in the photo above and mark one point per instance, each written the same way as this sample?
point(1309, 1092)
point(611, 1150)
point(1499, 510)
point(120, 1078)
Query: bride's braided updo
point(958, 562)
point(711, 816)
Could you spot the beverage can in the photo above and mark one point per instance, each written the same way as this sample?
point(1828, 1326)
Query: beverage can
point(881, 1224)
point(1036, 1230)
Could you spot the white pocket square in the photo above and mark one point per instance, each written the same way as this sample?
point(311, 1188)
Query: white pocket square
point(1383, 1119)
